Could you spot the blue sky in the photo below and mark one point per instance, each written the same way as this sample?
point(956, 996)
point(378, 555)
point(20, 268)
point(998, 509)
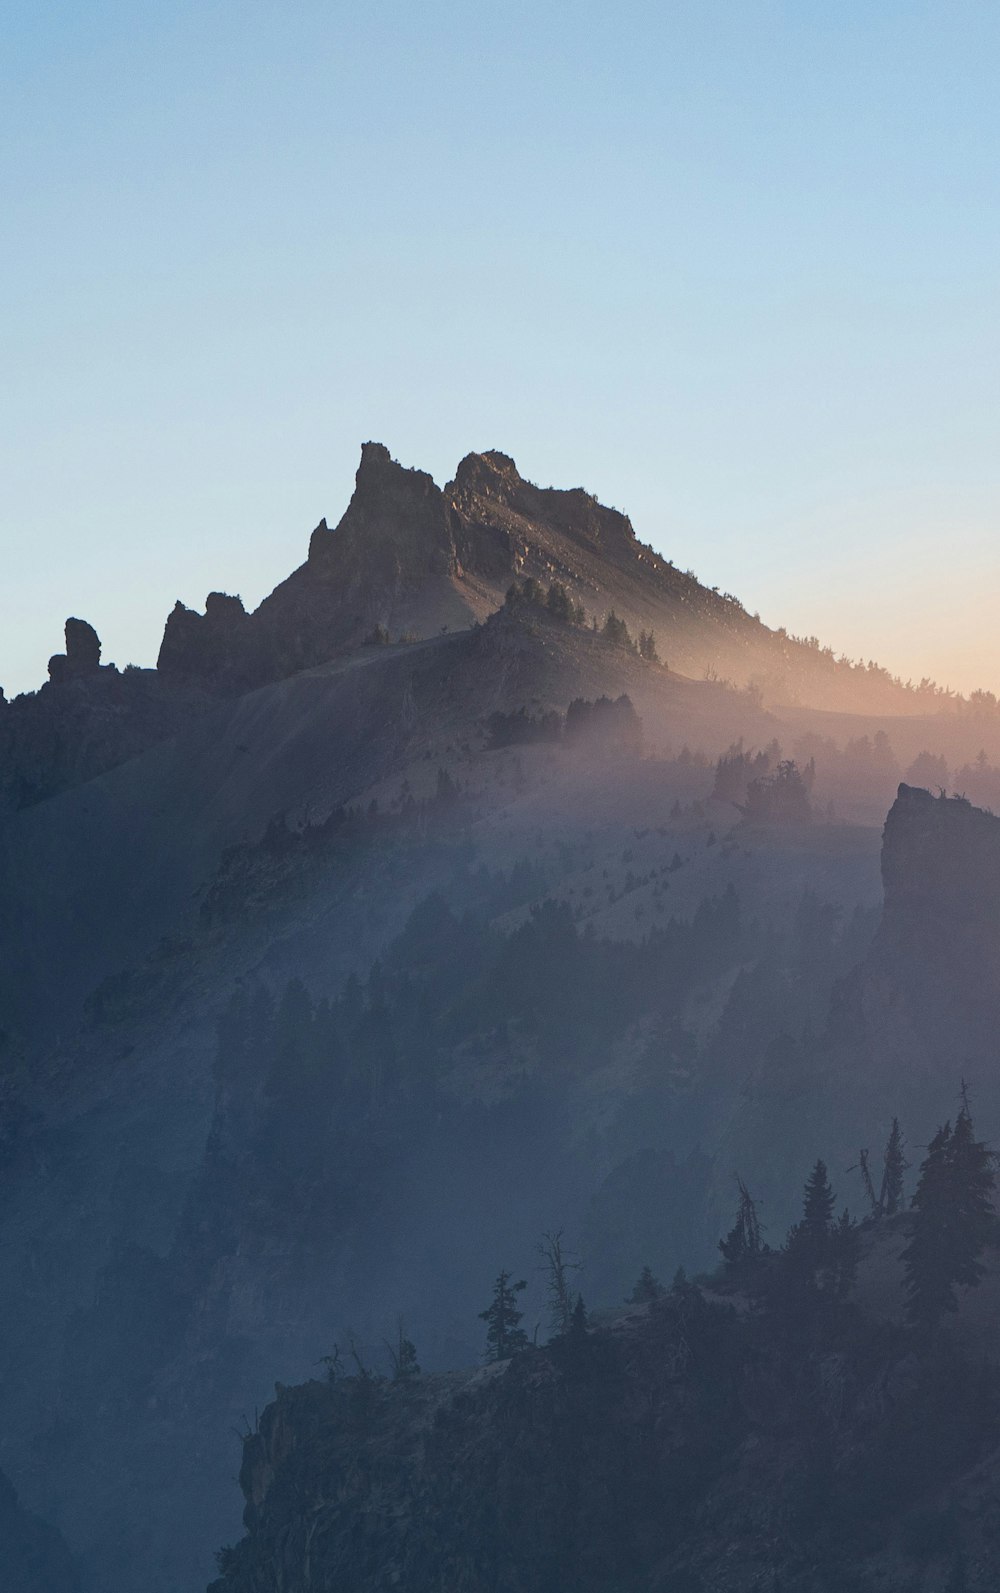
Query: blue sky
point(733, 267)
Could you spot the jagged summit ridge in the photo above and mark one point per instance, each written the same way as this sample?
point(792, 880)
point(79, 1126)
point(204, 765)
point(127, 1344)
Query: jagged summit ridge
point(408, 556)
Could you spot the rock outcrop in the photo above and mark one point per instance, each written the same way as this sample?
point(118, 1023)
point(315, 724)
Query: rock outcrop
point(922, 1011)
point(85, 719)
point(209, 647)
point(82, 656)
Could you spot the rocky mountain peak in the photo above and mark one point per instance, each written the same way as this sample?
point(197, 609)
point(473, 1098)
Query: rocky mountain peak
point(396, 524)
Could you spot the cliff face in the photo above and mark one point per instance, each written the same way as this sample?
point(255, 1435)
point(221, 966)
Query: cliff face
point(928, 996)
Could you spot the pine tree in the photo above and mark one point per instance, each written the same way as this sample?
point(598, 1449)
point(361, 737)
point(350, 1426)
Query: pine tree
point(927, 1259)
point(818, 1204)
point(894, 1165)
point(646, 1289)
point(504, 1337)
point(954, 1219)
point(974, 1183)
point(809, 1240)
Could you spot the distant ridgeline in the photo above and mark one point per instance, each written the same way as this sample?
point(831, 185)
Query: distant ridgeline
point(410, 561)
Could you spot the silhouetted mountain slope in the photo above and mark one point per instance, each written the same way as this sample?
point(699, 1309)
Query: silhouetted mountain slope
point(698, 1444)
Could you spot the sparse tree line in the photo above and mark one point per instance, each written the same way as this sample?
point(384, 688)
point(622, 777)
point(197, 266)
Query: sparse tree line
point(558, 602)
point(952, 1224)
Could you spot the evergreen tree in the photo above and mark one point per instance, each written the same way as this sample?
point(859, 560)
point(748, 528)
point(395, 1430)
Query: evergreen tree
point(616, 630)
point(894, 1165)
point(954, 1220)
point(818, 1204)
point(647, 1288)
point(973, 1183)
point(809, 1240)
point(504, 1337)
point(927, 1259)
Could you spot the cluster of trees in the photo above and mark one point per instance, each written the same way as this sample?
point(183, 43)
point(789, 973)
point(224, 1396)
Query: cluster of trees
point(521, 728)
point(952, 1223)
point(782, 797)
point(609, 724)
point(739, 765)
point(767, 788)
point(558, 602)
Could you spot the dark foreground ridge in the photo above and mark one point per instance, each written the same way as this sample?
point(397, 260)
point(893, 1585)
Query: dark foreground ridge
point(701, 1443)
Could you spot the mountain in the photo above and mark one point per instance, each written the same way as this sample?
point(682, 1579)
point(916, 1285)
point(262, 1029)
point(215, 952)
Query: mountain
point(416, 559)
point(336, 970)
point(411, 560)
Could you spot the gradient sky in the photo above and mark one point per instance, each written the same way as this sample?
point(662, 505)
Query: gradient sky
point(731, 266)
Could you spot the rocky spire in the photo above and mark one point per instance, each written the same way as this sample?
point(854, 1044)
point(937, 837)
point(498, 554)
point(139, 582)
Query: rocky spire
point(82, 655)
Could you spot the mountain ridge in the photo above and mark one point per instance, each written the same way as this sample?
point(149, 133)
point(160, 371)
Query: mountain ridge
point(410, 560)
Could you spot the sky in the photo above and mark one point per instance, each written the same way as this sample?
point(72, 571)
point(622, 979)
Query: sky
point(733, 267)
